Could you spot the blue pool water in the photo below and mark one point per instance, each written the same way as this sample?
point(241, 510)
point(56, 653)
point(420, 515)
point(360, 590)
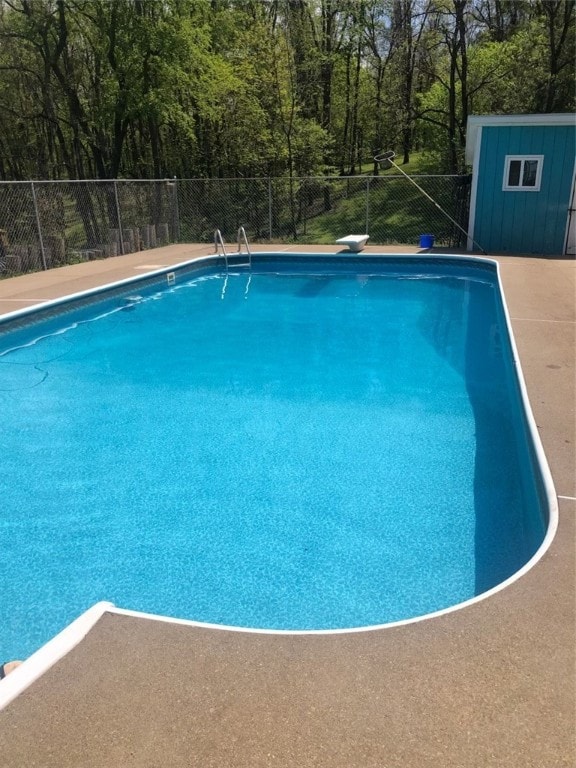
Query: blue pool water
point(289, 449)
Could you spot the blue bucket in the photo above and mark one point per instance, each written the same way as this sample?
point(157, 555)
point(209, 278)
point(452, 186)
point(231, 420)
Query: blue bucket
point(426, 241)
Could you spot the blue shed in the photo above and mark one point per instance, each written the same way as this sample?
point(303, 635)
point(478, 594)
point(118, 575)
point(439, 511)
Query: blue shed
point(523, 175)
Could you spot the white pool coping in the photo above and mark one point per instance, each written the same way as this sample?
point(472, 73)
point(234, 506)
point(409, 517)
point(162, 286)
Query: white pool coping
point(60, 645)
point(45, 657)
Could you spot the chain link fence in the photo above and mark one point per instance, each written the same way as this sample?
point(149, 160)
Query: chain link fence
point(45, 224)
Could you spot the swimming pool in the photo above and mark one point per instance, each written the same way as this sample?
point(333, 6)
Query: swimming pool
point(318, 443)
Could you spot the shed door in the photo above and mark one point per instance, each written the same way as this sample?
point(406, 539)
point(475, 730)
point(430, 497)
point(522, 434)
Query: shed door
point(571, 227)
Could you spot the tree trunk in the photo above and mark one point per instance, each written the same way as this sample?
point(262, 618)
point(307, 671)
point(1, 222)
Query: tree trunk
point(460, 8)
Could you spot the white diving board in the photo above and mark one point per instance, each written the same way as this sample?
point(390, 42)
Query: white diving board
point(354, 242)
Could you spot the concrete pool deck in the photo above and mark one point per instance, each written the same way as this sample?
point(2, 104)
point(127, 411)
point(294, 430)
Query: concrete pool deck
point(490, 685)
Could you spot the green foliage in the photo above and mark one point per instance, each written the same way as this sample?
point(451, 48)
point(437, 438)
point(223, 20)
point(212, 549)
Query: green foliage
point(153, 88)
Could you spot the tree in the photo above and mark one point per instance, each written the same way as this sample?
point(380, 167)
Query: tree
point(558, 20)
point(449, 72)
point(154, 88)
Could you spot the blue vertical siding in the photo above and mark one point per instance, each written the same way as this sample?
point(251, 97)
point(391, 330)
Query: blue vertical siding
point(524, 222)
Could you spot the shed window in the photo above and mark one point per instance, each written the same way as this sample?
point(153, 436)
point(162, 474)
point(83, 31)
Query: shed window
point(522, 172)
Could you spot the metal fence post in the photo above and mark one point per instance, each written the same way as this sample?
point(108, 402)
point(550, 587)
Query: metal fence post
point(38, 226)
point(367, 230)
point(270, 207)
point(118, 218)
point(176, 211)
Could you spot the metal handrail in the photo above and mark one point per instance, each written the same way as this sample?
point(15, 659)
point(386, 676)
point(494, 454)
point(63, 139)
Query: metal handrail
point(219, 243)
point(242, 239)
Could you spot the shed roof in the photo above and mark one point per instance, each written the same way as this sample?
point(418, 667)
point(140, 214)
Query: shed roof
point(478, 121)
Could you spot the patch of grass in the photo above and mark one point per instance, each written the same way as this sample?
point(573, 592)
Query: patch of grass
point(420, 162)
point(389, 207)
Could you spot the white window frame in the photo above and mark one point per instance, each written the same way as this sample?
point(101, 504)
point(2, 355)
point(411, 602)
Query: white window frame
point(519, 188)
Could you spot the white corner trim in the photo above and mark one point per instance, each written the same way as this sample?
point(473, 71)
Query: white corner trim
point(570, 219)
point(46, 656)
point(474, 191)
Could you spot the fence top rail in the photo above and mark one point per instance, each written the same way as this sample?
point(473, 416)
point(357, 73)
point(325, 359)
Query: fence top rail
point(92, 181)
point(169, 181)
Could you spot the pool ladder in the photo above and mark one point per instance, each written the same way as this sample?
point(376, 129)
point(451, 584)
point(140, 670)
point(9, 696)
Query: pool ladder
point(220, 247)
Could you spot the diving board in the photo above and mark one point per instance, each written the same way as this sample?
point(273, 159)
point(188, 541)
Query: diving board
point(354, 242)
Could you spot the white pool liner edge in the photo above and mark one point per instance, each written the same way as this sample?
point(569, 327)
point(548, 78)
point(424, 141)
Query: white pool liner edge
point(56, 648)
point(46, 656)
point(7, 317)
